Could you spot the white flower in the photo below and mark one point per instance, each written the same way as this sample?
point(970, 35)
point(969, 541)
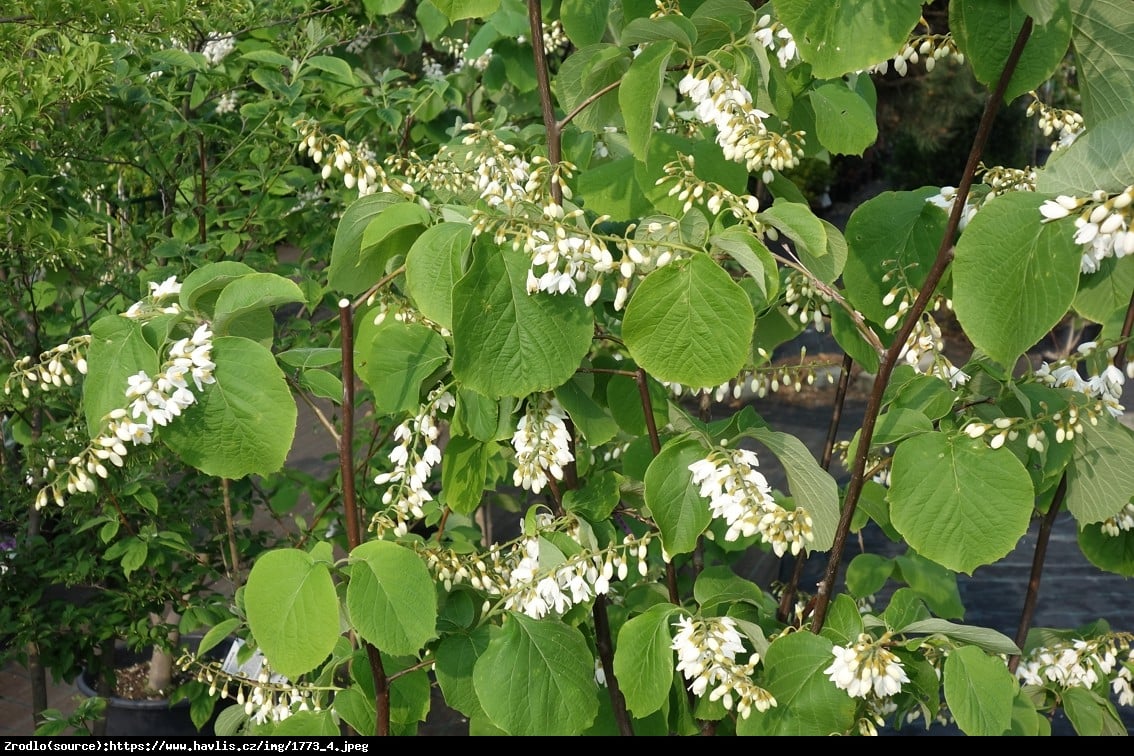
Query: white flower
point(542, 445)
point(866, 667)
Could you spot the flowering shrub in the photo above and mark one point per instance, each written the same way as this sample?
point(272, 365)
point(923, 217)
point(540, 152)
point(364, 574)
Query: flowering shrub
point(567, 243)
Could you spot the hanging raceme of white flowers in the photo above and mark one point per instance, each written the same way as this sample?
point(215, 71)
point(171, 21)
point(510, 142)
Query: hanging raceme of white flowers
point(1102, 224)
point(151, 401)
point(740, 495)
point(513, 577)
point(707, 651)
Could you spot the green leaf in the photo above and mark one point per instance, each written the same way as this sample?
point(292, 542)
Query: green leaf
point(456, 657)
point(537, 677)
point(986, 30)
point(639, 93)
point(1101, 158)
point(844, 121)
point(644, 30)
point(390, 597)
point(643, 659)
point(267, 57)
point(720, 585)
point(624, 398)
point(433, 265)
point(1111, 553)
point(1107, 290)
point(958, 502)
point(483, 418)
point(739, 243)
point(721, 23)
point(807, 702)
point(867, 573)
point(984, 637)
point(458, 9)
point(584, 21)
point(933, 583)
point(838, 38)
point(812, 488)
point(245, 422)
point(338, 68)
point(323, 384)
point(507, 342)
point(200, 288)
point(396, 361)
point(254, 291)
point(613, 189)
point(306, 358)
point(595, 499)
point(357, 710)
point(844, 622)
point(1014, 277)
point(592, 420)
point(134, 557)
point(1103, 40)
point(464, 471)
point(354, 266)
point(293, 611)
point(811, 238)
point(677, 507)
point(893, 239)
point(690, 324)
point(1091, 714)
point(1100, 478)
point(979, 690)
point(117, 351)
point(216, 634)
point(584, 74)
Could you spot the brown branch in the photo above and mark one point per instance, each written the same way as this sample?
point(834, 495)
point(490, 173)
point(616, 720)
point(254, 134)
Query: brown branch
point(890, 358)
point(1032, 596)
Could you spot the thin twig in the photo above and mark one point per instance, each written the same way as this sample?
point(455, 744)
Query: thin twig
point(890, 358)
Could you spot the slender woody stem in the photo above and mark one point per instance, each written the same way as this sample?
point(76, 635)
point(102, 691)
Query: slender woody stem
point(890, 358)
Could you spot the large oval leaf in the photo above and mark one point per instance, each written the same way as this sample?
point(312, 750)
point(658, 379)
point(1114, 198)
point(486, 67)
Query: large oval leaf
point(979, 690)
point(837, 38)
point(1014, 277)
point(245, 422)
point(293, 611)
point(255, 291)
point(390, 597)
point(1101, 158)
point(957, 501)
point(893, 238)
point(690, 324)
point(986, 30)
point(1100, 478)
point(117, 351)
point(433, 264)
point(807, 703)
point(1103, 38)
point(537, 677)
point(396, 360)
point(678, 509)
point(507, 342)
point(643, 659)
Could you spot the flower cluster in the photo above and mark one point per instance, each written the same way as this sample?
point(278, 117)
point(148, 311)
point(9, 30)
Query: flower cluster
point(739, 494)
point(867, 667)
point(542, 444)
point(153, 401)
point(1120, 523)
point(1106, 388)
point(927, 49)
point(806, 301)
point(52, 370)
point(217, 47)
point(691, 190)
point(775, 37)
point(457, 49)
point(1102, 225)
point(707, 652)
point(357, 164)
point(945, 200)
point(515, 574)
point(406, 497)
point(720, 100)
point(923, 351)
point(1065, 124)
point(269, 697)
point(1083, 663)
